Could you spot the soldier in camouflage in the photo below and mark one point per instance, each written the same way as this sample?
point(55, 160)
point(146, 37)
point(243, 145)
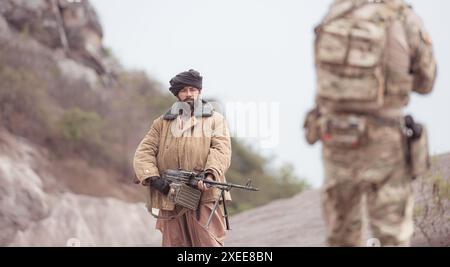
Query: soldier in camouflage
point(370, 56)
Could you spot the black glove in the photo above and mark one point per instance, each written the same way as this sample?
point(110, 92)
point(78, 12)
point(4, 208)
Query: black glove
point(159, 184)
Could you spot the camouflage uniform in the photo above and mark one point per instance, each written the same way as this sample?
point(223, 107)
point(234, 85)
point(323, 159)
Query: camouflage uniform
point(377, 167)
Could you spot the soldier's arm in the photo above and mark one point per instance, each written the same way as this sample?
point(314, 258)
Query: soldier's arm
point(423, 63)
point(219, 158)
point(144, 162)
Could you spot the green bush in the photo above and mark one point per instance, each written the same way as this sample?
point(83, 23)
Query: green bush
point(81, 127)
point(273, 184)
point(24, 103)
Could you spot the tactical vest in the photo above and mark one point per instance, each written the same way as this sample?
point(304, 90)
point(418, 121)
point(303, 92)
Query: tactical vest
point(356, 58)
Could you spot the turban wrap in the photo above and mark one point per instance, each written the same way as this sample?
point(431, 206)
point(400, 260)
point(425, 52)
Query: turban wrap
point(187, 78)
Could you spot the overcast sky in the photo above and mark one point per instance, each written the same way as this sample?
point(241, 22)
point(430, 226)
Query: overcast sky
point(257, 51)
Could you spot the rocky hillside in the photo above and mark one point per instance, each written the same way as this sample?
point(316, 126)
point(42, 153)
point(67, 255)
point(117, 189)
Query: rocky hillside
point(57, 112)
point(70, 26)
point(31, 216)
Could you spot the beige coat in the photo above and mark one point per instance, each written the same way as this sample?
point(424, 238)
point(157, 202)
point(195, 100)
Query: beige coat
point(188, 144)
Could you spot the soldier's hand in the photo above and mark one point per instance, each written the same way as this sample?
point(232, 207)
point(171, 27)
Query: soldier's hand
point(205, 187)
point(146, 181)
point(160, 184)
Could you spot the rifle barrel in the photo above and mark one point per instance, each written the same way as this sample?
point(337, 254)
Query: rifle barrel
point(186, 176)
point(228, 185)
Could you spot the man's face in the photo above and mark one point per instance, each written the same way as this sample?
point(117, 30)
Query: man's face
point(189, 94)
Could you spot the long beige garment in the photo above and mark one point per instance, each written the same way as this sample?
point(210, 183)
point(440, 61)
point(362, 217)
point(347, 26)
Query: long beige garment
point(189, 231)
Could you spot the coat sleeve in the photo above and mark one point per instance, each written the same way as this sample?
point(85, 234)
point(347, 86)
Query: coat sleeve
point(144, 162)
point(219, 158)
point(423, 62)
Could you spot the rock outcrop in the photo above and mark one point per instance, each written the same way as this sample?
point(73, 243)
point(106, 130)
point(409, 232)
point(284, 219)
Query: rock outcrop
point(22, 199)
point(30, 216)
point(71, 26)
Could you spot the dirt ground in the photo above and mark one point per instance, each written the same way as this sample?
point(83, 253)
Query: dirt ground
point(298, 221)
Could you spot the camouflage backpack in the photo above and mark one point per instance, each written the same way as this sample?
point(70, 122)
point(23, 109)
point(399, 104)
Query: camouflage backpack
point(350, 55)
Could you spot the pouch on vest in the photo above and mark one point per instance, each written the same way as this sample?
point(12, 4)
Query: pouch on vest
point(312, 126)
point(344, 131)
point(419, 159)
point(350, 64)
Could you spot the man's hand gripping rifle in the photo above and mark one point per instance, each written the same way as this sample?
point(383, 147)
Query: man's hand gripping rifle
point(184, 192)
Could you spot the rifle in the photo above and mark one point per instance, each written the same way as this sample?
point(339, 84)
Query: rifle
point(184, 190)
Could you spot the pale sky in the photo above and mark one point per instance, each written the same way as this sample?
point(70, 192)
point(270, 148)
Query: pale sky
point(258, 51)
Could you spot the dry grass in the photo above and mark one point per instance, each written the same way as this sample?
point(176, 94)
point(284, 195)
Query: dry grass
point(432, 211)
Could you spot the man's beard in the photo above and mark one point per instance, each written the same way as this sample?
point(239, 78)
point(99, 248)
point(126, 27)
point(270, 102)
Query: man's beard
point(191, 103)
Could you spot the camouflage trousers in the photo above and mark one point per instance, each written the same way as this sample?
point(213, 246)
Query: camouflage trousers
point(378, 173)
